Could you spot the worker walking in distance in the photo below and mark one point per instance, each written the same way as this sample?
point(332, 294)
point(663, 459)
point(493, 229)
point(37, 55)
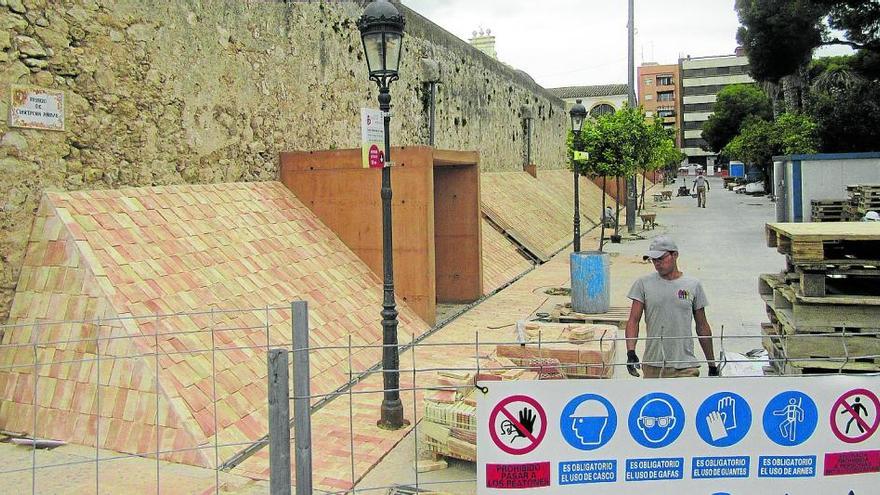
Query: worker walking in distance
point(701, 185)
point(671, 302)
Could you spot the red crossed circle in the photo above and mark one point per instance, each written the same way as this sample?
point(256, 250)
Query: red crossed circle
point(500, 408)
point(841, 402)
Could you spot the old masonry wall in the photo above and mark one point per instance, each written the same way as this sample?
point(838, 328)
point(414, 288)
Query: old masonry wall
point(190, 91)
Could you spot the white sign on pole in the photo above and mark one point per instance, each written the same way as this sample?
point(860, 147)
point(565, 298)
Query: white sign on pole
point(372, 138)
point(713, 436)
point(36, 108)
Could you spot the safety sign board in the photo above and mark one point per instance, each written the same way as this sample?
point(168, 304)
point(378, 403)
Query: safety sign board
point(755, 435)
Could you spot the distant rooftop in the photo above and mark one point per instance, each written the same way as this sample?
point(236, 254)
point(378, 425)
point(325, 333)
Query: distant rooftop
point(589, 91)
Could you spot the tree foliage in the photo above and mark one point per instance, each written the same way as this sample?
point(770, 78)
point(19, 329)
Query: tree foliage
point(617, 143)
point(847, 113)
point(761, 139)
point(734, 104)
point(779, 36)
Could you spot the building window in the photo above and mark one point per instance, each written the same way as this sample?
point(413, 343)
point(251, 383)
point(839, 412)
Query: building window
point(649, 97)
point(649, 114)
point(601, 109)
point(648, 81)
point(666, 96)
point(666, 112)
point(664, 80)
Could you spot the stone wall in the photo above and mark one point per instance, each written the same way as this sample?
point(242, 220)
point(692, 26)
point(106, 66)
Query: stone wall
point(189, 91)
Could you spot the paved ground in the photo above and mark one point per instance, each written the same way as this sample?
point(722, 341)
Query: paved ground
point(723, 245)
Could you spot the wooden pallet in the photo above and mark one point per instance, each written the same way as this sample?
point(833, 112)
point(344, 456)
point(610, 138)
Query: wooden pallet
point(616, 315)
point(850, 277)
point(786, 358)
point(816, 242)
point(862, 347)
point(803, 312)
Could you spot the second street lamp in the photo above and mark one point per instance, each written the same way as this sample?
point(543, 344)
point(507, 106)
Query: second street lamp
point(578, 113)
point(381, 27)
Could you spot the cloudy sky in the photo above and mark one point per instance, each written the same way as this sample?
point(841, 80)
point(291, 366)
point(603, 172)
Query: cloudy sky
point(580, 42)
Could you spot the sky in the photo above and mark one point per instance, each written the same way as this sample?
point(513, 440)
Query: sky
point(583, 42)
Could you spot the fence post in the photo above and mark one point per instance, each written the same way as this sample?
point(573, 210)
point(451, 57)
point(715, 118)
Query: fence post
point(279, 423)
point(301, 397)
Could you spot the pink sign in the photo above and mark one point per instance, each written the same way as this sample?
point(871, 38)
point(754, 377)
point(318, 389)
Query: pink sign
point(377, 158)
point(841, 463)
point(518, 476)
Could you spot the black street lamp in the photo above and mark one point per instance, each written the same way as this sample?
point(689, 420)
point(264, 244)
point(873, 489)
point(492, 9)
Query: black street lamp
point(578, 113)
point(381, 27)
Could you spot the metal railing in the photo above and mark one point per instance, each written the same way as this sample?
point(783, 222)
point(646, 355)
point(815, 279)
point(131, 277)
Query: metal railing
point(88, 358)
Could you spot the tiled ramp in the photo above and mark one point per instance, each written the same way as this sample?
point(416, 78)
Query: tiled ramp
point(197, 254)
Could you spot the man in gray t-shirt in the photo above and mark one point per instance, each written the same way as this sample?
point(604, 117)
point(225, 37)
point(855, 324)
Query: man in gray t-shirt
point(671, 302)
point(701, 185)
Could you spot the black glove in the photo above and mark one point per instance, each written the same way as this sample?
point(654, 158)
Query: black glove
point(713, 370)
point(632, 363)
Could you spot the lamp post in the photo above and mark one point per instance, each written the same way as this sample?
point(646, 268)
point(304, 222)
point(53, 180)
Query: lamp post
point(381, 27)
point(578, 113)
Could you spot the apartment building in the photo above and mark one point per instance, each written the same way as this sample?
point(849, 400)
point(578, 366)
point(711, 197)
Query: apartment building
point(659, 94)
point(701, 80)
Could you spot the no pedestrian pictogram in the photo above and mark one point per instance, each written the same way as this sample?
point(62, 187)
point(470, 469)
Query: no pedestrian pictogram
point(517, 424)
point(855, 415)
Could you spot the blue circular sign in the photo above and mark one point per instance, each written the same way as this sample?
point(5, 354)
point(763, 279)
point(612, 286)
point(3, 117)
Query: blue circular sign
point(656, 420)
point(588, 422)
point(723, 419)
point(790, 418)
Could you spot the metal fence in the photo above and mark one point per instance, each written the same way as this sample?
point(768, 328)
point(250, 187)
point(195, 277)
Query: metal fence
point(64, 381)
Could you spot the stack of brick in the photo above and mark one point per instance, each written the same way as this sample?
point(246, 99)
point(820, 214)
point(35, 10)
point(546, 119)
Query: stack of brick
point(584, 350)
point(449, 427)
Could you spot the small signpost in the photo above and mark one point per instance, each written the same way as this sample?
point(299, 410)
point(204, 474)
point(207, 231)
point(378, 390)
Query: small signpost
point(372, 138)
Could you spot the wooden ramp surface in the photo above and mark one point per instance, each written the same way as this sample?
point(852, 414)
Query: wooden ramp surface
point(527, 211)
point(589, 194)
point(502, 261)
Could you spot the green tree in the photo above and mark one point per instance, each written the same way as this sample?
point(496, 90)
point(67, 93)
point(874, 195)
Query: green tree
point(664, 153)
point(779, 36)
point(847, 113)
point(735, 103)
point(761, 139)
point(796, 133)
point(617, 144)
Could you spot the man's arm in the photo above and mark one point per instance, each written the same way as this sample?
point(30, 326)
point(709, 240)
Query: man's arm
point(632, 324)
point(632, 333)
point(704, 331)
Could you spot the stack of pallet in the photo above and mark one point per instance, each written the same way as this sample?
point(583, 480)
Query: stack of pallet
point(827, 210)
point(862, 199)
point(824, 309)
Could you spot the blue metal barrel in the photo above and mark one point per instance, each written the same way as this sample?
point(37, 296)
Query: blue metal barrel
point(590, 282)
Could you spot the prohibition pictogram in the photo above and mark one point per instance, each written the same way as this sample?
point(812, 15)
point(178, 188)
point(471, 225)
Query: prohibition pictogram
point(517, 424)
point(854, 416)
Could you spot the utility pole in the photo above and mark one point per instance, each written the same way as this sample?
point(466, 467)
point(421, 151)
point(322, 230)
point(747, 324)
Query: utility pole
point(631, 93)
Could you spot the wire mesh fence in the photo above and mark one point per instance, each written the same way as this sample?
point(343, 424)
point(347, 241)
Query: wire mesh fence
point(194, 389)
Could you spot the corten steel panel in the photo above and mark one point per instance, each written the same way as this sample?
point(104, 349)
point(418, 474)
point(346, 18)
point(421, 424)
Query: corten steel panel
point(457, 232)
point(346, 198)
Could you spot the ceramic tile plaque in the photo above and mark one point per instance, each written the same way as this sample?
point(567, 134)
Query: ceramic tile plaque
point(36, 108)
